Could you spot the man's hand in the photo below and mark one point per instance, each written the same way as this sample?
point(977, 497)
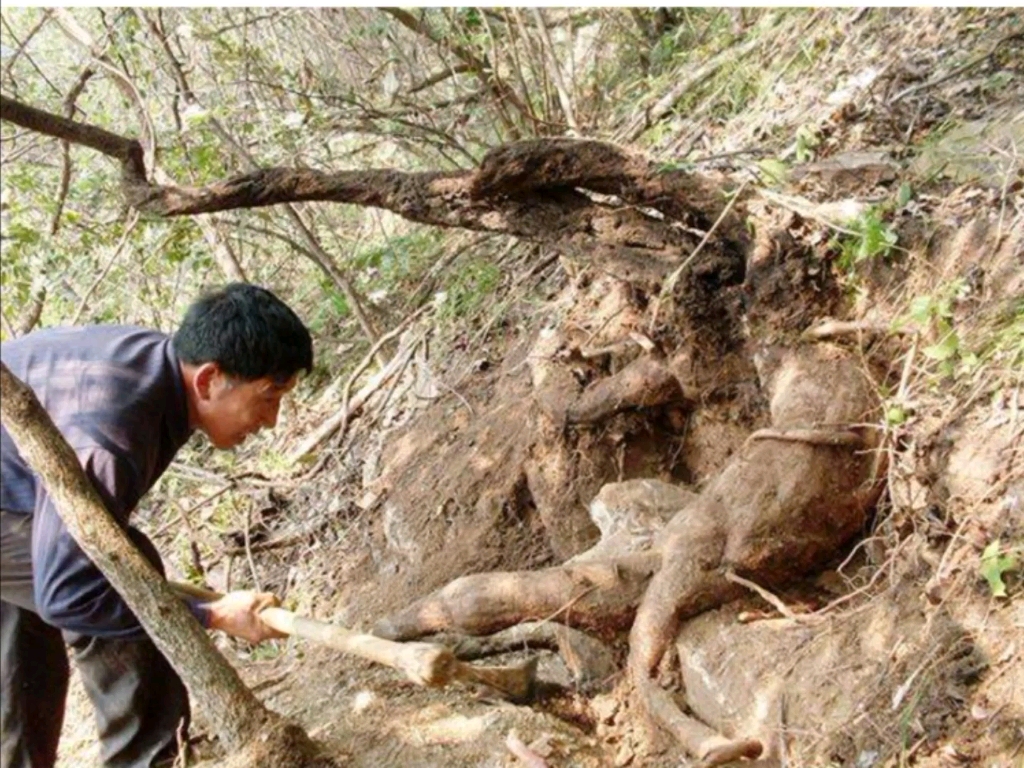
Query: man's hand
point(237, 613)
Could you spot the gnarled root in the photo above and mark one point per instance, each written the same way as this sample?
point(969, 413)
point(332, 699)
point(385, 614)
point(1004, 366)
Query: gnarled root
point(709, 746)
point(689, 584)
point(594, 594)
point(644, 383)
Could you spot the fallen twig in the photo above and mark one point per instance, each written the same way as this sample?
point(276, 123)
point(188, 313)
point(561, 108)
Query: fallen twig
point(832, 328)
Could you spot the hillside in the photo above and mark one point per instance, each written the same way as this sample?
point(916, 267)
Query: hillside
point(598, 245)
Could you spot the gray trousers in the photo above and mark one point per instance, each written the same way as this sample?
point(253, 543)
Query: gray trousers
point(139, 701)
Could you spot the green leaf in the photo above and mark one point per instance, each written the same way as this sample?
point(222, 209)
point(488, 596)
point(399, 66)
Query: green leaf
point(921, 308)
point(904, 195)
point(23, 234)
point(945, 349)
point(775, 170)
point(994, 564)
point(895, 415)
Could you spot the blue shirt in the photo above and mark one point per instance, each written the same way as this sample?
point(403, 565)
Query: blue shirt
point(117, 395)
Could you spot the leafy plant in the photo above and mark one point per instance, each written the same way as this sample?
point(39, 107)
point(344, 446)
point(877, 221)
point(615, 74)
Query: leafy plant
point(868, 237)
point(807, 141)
point(774, 172)
point(895, 415)
point(934, 313)
point(995, 562)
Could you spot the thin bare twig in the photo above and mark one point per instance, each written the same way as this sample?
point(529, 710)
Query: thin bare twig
point(132, 221)
point(670, 283)
point(556, 73)
point(24, 43)
point(248, 549)
point(765, 595)
point(65, 174)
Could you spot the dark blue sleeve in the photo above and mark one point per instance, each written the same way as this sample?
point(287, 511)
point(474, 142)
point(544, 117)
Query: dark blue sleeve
point(70, 591)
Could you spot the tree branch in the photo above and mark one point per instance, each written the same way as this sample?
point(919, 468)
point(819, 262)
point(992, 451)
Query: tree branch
point(439, 77)
point(65, 173)
point(530, 189)
point(482, 68)
point(556, 72)
point(126, 151)
point(84, 303)
point(22, 45)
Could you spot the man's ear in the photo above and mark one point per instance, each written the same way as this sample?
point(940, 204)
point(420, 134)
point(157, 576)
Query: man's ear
point(205, 375)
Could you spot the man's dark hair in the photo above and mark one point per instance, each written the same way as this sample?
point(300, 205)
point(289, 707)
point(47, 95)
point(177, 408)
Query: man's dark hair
point(247, 331)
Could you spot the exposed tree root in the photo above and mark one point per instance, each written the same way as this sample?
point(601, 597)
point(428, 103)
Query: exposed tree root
point(644, 383)
point(587, 658)
point(281, 744)
point(794, 494)
point(776, 512)
point(589, 595)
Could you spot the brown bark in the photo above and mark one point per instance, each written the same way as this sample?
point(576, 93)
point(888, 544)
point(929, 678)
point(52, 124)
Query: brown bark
point(600, 596)
point(644, 383)
point(529, 189)
point(30, 317)
point(127, 151)
point(233, 711)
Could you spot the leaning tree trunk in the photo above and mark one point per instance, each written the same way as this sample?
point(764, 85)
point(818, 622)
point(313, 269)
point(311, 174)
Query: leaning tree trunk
point(238, 718)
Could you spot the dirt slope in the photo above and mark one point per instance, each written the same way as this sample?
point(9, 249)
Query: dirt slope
point(898, 654)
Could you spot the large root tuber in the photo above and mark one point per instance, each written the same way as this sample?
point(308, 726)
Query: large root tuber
point(780, 509)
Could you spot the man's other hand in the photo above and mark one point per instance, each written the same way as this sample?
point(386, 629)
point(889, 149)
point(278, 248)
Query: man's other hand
point(238, 614)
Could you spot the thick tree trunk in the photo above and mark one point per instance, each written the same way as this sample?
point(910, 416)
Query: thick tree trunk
point(233, 711)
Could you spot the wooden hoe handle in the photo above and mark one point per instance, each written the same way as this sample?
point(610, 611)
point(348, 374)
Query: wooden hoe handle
point(427, 664)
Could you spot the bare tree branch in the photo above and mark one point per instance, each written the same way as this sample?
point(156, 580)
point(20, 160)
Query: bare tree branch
point(321, 258)
point(530, 189)
point(439, 77)
point(126, 151)
point(65, 174)
point(556, 71)
point(482, 68)
point(84, 302)
point(22, 44)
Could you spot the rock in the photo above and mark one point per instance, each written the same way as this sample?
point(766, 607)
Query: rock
point(630, 513)
point(604, 708)
point(623, 756)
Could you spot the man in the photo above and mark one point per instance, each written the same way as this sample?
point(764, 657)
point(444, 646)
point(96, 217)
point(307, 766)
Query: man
point(126, 399)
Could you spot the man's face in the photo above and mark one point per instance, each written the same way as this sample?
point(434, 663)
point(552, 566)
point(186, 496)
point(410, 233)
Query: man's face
point(232, 409)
